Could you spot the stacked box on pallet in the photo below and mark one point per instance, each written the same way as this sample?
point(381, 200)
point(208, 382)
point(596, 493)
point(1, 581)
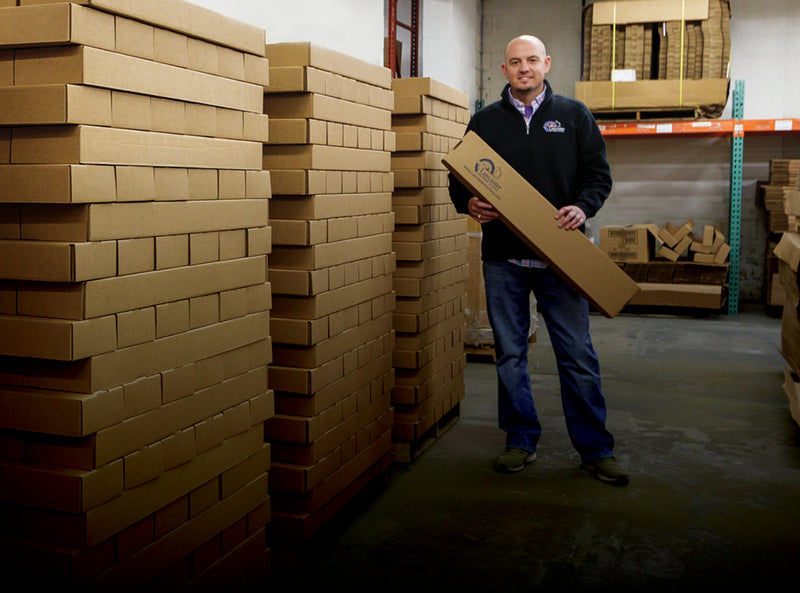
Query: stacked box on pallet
point(655, 56)
point(431, 243)
point(329, 155)
point(134, 306)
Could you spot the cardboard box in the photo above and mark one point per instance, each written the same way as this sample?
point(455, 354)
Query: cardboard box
point(309, 54)
point(322, 107)
point(57, 261)
point(58, 183)
point(110, 70)
point(791, 387)
point(432, 88)
point(182, 17)
point(579, 261)
point(703, 296)
point(647, 11)
point(56, 24)
point(644, 94)
point(634, 243)
point(94, 145)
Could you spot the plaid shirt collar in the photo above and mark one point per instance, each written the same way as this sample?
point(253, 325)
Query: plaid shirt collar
point(526, 110)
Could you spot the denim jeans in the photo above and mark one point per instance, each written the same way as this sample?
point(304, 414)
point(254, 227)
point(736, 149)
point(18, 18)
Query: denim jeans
point(566, 315)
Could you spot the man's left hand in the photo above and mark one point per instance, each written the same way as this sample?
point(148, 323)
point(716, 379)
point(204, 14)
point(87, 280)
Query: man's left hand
point(570, 218)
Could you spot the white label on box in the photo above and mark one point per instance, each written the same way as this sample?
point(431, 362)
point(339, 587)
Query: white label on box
point(626, 75)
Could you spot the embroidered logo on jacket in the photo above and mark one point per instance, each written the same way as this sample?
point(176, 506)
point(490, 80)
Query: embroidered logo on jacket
point(553, 126)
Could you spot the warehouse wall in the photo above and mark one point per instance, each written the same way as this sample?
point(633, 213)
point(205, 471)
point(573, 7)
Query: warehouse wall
point(353, 27)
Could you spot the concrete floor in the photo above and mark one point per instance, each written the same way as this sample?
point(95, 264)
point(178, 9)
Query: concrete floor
point(702, 424)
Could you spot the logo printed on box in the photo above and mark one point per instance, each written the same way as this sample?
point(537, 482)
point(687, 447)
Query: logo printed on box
point(488, 172)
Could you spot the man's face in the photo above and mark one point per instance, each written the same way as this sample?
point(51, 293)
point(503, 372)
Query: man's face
point(525, 67)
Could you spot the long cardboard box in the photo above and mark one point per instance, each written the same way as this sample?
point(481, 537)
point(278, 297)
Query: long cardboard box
point(110, 70)
point(94, 145)
point(57, 339)
point(316, 156)
point(572, 254)
point(432, 88)
point(643, 94)
point(47, 261)
point(309, 54)
point(322, 107)
point(647, 11)
point(183, 17)
point(102, 222)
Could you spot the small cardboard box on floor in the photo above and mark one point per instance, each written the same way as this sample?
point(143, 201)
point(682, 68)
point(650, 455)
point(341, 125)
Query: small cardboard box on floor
point(573, 255)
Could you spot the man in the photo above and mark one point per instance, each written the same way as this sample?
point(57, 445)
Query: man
point(554, 142)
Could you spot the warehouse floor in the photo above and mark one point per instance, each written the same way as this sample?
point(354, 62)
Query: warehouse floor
point(701, 422)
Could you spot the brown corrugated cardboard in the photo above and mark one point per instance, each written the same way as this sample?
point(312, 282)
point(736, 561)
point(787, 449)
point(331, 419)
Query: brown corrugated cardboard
point(55, 104)
point(97, 145)
point(59, 412)
point(309, 54)
point(633, 243)
point(431, 88)
point(110, 70)
point(324, 157)
point(322, 107)
point(643, 94)
point(57, 261)
point(704, 296)
point(647, 11)
point(532, 217)
point(183, 17)
point(56, 24)
point(57, 183)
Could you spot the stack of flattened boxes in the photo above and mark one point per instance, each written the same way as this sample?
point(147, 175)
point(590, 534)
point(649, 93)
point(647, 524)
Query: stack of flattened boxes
point(431, 243)
point(329, 156)
point(134, 306)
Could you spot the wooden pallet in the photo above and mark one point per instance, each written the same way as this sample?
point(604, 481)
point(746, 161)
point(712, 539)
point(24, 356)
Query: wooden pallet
point(481, 353)
point(408, 451)
point(611, 115)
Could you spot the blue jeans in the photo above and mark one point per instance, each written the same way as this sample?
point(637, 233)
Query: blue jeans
point(566, 315)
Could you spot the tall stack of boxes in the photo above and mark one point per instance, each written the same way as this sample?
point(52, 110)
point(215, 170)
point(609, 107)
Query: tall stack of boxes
point(640, 55)
point(329, 155)
point(134, 305)
point(431, 243)
point(787, 253)
point(780, 196)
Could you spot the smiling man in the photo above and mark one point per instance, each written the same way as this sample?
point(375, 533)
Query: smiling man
point(553, 141)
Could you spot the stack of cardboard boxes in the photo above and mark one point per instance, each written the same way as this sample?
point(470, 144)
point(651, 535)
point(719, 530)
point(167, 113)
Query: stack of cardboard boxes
point(329, 155)
point(780, 196)
point(134, 306)
point(430, 240)
point(673, 265)
point(647, 55)
point(787, 252)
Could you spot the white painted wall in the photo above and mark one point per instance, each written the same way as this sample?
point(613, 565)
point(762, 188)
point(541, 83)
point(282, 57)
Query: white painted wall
point(451, 43)
point(353, 27)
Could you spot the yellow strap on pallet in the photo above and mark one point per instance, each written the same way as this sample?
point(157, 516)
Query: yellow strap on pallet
point(613, 51)
point(683, 29)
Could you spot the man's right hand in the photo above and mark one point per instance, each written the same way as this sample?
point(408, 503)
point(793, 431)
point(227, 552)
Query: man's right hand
point(481, 211)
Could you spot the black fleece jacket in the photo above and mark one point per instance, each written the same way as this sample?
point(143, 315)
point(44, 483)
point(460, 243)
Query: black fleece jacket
point(562, 154)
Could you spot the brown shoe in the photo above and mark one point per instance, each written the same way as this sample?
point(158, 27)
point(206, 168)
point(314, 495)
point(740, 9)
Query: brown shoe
point(607, 469)
point(514, 459)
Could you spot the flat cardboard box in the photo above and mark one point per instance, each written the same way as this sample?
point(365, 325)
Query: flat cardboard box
point(46, 261)
point(572, 254)
point(59, 412)
point(182, 17)
point(703, 296)
point(791, 387)
point(309, 54)
point(55, 104)
point(57, 339)
point(94, 145)
point(644, 94)
point(116, 221)
point(322, 107)
point(56, 24)
point(647, 11)
point(323, 157)
point(432, 88)
point(110, 70)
